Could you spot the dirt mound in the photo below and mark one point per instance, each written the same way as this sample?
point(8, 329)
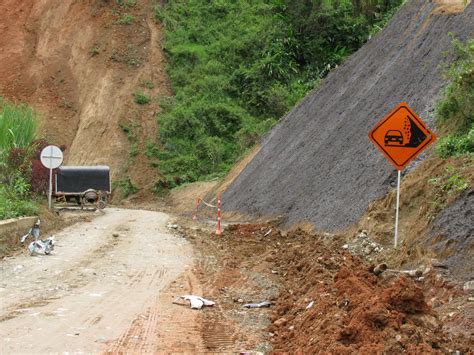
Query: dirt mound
point(331, 300)
point(318, 159)
point(79, 63)
point(323, 299)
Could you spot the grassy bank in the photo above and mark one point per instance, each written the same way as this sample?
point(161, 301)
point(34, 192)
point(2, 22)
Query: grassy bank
point(237, 67)
point(18, 131)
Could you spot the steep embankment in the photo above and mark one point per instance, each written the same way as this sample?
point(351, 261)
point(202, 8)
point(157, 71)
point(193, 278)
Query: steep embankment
point(79, 63)
point(318, 161)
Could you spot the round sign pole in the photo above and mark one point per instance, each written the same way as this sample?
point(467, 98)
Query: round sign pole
point(52, 158)
point(50, 192)
point(398, 206)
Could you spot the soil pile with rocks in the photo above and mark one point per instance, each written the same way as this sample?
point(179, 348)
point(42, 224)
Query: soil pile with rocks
point(322, 297)
point(318, 164)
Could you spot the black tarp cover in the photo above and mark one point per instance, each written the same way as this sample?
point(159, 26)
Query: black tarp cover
point(77, 179)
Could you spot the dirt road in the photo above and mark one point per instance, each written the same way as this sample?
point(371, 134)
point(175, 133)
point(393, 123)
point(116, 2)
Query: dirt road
point(96, 292)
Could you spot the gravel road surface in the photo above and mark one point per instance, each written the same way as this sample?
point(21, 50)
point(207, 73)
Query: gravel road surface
point(102, 279)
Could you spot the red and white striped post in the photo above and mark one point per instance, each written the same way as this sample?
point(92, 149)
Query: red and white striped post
point(198, 201)
point(218, 230)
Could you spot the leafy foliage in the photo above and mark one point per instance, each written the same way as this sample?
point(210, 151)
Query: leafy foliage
point(18, 129)
point(455, 112)
point(236, 67)
point(127, 187)
point(140, 98)
point(125, 19)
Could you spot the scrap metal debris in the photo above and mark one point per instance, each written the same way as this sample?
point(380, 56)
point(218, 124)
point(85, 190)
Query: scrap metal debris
point(38, 246)
point(34, 232)
point(42, 246)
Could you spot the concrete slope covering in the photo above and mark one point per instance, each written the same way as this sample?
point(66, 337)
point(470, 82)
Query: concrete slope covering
point(318, 164)
point(451, 236)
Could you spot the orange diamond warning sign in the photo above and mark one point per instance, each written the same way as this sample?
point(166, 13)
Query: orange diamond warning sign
point(401, 136)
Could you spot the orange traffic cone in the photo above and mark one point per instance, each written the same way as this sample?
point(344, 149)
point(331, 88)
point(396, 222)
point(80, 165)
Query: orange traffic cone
point(198, 201)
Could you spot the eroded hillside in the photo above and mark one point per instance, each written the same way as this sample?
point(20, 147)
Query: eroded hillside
point(80, 63)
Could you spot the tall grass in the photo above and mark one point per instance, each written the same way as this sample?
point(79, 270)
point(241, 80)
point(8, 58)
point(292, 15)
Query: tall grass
point(18, 127)
point(18, 131)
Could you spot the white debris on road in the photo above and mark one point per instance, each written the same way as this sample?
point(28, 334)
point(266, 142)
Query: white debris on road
point(197, 302)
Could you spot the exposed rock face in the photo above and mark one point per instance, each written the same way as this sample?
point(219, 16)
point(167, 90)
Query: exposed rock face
point(318, 164)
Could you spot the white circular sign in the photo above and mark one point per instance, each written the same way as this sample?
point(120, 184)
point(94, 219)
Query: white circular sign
point(51, 157)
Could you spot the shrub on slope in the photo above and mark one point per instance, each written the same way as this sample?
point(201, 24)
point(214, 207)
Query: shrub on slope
point(455, 112)
point(237, 67)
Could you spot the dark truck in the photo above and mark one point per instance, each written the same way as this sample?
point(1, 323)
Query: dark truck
point(83, 184)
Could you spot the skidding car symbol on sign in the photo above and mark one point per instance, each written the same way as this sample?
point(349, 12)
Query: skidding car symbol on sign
point(401, 136)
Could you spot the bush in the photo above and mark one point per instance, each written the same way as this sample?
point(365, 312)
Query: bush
point(140, 98)
point(455, 111)
point(125, 19)
point(454, 145)
point(127, 187)
point(15, 207)
point(18, 127)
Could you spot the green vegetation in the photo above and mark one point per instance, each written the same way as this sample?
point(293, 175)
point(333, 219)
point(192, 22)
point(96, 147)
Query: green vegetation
point(127, 3)
point(126, 186)
point(236, 67)
point(18, 130)
point(140, 98)
point(125, 19)
point(455, 111)
point(149, 85)
point(131, 130)
point(447, 186)
point(94, 51)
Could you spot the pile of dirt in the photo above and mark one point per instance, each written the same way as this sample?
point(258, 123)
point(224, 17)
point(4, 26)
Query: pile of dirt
point(318, 160)
point(322, 296)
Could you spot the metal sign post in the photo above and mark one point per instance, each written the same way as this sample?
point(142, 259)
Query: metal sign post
point(401, 136)
point(52, 158)
point(398, 206)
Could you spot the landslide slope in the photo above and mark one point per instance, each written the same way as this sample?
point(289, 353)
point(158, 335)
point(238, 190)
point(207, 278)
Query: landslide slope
point(79, 63)
point(318, 164)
